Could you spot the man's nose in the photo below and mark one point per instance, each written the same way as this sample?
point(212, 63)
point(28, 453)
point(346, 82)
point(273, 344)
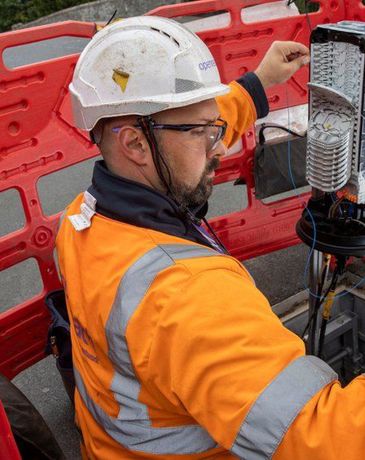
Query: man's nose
point(220, 151)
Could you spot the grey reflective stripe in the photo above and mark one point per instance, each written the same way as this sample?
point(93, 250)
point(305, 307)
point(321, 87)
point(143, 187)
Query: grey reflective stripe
point(278, 405)
point(184, 251)
point(55, 255)
point(181, 440)
point(132, 428)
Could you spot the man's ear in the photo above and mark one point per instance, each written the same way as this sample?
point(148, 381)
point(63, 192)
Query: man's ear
point(96, 134)
point(134, 145)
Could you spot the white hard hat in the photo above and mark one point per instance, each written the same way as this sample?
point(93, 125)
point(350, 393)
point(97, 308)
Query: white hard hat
point(140, 66)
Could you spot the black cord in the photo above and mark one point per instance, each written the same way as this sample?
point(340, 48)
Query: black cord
point(322, 335)
point(312, 336)
point(306, 3)
point(317, 306)
point(264, 126)
point(216, 237)
point(111, 19)
point(147, 127)
point(307, 15)
point(324, 322)
point(308, 324)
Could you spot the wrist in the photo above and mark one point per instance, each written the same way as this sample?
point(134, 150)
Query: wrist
point(252, 84)
point(265, 81)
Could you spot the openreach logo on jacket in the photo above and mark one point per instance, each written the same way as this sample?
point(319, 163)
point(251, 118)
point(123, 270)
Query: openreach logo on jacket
point(207, 65)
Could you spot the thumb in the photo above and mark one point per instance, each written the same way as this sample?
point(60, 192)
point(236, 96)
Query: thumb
point(297, 63)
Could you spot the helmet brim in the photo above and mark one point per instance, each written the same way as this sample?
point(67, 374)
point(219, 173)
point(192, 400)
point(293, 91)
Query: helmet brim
point(146, 106)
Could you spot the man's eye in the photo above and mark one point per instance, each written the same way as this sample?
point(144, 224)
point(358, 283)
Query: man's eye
point(197, 131)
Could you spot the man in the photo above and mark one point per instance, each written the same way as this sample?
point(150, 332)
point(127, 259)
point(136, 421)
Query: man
point(177, 355)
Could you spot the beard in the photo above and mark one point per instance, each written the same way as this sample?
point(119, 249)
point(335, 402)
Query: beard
point(193, 197)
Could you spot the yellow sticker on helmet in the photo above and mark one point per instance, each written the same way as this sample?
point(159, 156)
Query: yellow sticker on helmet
point(121, 78)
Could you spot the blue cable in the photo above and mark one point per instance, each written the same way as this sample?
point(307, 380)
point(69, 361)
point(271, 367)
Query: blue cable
point(334, 201)
point(306, 208)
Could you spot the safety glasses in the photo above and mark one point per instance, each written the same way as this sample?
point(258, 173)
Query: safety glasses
point(213, 132)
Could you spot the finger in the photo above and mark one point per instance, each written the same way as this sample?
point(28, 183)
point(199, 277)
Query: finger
point(291, 57)
point(292, 47)
point(296, 64)
point(297, 47)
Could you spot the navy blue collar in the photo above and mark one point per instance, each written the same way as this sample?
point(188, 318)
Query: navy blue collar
point(137, 204)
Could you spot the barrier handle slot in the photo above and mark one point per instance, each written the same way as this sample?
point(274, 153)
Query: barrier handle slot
point(37, 34)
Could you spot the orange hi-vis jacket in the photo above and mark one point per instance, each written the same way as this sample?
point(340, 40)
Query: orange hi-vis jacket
point(177, 355)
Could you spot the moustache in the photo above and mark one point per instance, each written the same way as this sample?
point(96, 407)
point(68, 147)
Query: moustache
point(213, 165)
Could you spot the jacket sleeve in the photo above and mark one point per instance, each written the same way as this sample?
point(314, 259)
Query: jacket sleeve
point(245, 103)
point(245, 378)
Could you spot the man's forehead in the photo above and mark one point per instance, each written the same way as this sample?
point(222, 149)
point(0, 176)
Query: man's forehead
point(202, 112)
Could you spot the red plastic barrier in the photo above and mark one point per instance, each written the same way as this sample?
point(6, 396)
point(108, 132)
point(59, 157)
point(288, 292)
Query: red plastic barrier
point(355, 10)
point(8, 448)
point(38, 138)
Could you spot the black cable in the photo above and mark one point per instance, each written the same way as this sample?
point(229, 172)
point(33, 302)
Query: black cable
point(307, 15)
point(313, 319)
point(322, 335)
point(147, 128)
point(312, 336)
point(264, 126)
point(317, 306)
point(324, 322)
point(111, 19)
point(216, 237)
point(319, 301)
point(306, 2)
point(315, 312)
point(308, 324)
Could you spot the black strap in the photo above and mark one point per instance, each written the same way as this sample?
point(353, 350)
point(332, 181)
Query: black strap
point(112, 18)
point(146, 123)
